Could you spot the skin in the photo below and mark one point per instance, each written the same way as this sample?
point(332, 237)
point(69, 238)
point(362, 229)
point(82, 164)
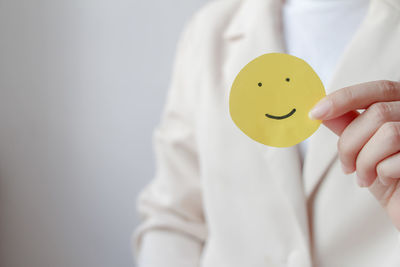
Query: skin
point(369, 143)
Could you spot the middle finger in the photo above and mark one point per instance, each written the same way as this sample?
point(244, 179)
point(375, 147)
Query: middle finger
point(362, 128)
point(384, 143)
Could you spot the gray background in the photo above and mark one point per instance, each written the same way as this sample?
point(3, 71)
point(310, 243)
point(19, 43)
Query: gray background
point(82, 84)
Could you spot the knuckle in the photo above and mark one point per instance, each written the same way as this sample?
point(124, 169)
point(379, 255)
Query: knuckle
point(380, 111)
point(348, 94)
point(388, 88)
point(391, 132)
point(337, 99)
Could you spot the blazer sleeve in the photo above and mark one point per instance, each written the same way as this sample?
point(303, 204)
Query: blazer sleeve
point(173, 229)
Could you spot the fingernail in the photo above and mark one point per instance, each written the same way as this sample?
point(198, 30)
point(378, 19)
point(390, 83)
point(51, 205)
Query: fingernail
point(346, 169)
point(320, 110)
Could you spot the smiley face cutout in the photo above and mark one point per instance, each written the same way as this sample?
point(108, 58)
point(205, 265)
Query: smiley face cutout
point(270, 99)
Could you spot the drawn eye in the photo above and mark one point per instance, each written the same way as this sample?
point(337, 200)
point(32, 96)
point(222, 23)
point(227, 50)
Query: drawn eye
point(259, 84)
point(288, 79)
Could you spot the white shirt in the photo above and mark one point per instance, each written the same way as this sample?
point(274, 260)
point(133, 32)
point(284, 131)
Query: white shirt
point(318, 31)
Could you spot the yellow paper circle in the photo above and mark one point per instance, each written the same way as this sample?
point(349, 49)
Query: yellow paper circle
point(270, 99)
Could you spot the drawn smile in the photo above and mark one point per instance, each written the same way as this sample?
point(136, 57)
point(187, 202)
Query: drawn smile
point(281, 117)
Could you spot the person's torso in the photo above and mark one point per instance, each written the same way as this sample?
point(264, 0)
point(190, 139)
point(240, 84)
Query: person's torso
point(257, 208)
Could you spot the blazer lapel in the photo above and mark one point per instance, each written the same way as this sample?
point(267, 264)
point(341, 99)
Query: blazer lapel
point(285, 165)
point(256, 30)
point(369, 56)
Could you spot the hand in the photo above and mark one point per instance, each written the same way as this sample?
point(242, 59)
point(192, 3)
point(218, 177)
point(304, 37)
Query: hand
point(369, 142)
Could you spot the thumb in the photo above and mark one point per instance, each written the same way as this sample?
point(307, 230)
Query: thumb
point(337, 125)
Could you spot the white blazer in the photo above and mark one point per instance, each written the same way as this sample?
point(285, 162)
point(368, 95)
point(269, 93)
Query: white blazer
point(220, 199)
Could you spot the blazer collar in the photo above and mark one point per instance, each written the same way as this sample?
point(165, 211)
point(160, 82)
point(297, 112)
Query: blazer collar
point(252, 15)
point(254, 29)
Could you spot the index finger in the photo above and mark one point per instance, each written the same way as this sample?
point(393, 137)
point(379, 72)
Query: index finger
point(355, 97)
